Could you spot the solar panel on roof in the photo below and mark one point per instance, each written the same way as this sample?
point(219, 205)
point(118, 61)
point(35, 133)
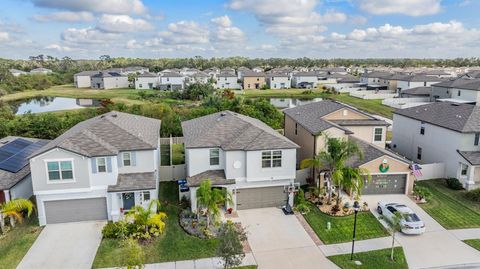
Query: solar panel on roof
point(14, 162)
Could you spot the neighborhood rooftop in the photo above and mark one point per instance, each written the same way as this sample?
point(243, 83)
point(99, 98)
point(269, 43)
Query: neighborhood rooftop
point(108, 134)
point(232, 131)
point(370, 153)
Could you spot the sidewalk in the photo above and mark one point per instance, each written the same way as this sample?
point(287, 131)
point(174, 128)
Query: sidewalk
point(360, 246)
point(208, 263)
point(465, 234)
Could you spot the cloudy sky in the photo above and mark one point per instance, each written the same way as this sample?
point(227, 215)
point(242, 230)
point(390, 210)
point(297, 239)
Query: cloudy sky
point(254, 28)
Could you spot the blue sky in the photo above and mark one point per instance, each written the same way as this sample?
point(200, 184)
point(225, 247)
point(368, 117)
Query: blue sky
point(87, 29)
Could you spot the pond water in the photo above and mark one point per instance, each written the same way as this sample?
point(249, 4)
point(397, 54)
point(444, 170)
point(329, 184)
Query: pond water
point(291, 102)
point(47, 104)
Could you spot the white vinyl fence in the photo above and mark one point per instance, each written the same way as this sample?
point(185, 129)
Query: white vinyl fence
point(173, 172)
point(401, 103)
point(370, 95)
point(302, 175)
point(432, 171)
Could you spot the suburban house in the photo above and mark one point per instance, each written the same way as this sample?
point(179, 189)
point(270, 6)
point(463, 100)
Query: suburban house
point(84, 79)
point(199, 77)
point(41, 71)
point(146, 81)
point(441, 132)
point(15, 179)
point(16, 72)
point(97, 170)
point(129, 70)
point(228, 81)
point(241, 70)
point(309, 126)
point(417, 92)
point(171, 81)
point(375, 78)
point(255, 163)
point(278, 81)
point(416, 81)
point(304, 78)
point(109, 80)
point(188, 71)
point(457, 90)
point(253, 80)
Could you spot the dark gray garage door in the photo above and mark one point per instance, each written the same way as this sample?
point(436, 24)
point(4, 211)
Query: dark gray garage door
point(76, 210)
point(386, 184)
point(260, 197)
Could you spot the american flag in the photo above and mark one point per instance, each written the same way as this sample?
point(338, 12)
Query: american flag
point(416, 170)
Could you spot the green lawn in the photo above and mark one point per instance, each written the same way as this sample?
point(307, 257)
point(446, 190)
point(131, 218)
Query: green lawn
point(373, 260)
point(15, 244)
point(475, 243)
point(342, 227)
point(450, 207)
point(173, 246)
point(178, 153)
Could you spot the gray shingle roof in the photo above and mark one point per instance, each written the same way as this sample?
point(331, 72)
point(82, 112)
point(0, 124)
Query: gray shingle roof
point(232, 131)
point(463, 118)
point(310, 115)
point(248, 73)
point(377, 74)
point(107, 74)
point(148, 74)
point(134, 182)
point(9, 179)
point(370, 153)
point(217, 177)
point(227, 75)
point(108, 134)
point(422, 91)
point(473, 157)
point(460, 83)
point(369, 122)
point(87, 73)
point(171, 74)
point(421, 78)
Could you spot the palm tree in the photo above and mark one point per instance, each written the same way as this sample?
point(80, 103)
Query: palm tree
point(13, 210)
point(150, 216)
point(209, 200)
point(394, 225)
point(353, 179)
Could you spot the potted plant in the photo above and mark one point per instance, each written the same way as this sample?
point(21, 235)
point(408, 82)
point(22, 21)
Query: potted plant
point(421, 194)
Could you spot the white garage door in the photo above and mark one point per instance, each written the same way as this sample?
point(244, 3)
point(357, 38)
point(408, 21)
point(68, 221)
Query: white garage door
point(261, 197)
point(75, 210)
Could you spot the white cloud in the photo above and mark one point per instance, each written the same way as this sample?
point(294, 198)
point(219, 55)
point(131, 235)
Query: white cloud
point(184, 33)
point(98, 6)
point(405, 7)
point(223, 21)
point(65, 16)
point(87, 36)
point(4, 36)
point(226, 32)
point(133, 44)
point(122, 24)
point(451, 27)
point(58, 48)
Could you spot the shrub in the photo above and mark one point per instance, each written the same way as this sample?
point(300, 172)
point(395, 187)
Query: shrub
point(454, 184)
point(307, 92)
point(132, 254)
point(335, 209)
point(115, 230)
point(473, 195)
point(422, 192)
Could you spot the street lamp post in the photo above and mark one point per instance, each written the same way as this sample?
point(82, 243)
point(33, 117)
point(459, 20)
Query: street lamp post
point(356, 207)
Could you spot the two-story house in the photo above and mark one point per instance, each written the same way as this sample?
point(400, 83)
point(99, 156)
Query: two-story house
point(98, 169)
point(108, 80)
point(253, 80)
point(83, 79)
point(171, 81)
point(255, 163)
point(460, 89)
point(303, 78)
point(278, 81)
point(441, 132)
point(228, 80)
point(146, 81)
point(416, 81)
point(311, 124)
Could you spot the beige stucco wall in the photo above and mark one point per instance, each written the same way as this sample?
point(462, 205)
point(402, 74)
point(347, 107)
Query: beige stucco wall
point(249, 82)
point(303, 138)
point(365, 133)
point(395, 168)
point(332, 132)
point(351, 115)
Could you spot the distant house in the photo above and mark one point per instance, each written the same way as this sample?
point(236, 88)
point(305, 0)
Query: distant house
point(16, 72)
point(300, 78)
point(258, 69)
point(253, 80)
point(41, 71)
point(146, 81)
point(416, 81)
point(228, 81)
point(199, 77)
point(129, 70)
point(109, 80)
point(15, 178)
point(186, 72)
point(278, 81)
point(84, 79)
point(461, 90)
point(436, 73)
point(171, 81)
point(241, 70)
point(334, 70)
point(375, 78)
point(416, 92)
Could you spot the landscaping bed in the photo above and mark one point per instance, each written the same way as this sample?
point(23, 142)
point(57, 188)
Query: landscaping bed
point(174, 245)
point(450, 207)
point(342, 227)
point(474, 243)
point(372, 259)
point(16, 243)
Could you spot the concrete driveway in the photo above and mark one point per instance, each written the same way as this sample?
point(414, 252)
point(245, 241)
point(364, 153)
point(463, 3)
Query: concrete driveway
point(436, 247)
point(66, 245)
point(279, 241)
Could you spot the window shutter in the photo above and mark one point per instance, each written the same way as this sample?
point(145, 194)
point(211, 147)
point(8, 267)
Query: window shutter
point(94, 165)
point(119, 160)
point(109, 164)
point(133, 156)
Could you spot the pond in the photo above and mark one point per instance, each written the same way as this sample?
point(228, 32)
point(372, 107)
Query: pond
point(291, 102)
point(49, 103)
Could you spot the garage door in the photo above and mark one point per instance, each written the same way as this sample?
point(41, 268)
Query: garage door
point(75, 210)
point(386, 184)
point(261, 197)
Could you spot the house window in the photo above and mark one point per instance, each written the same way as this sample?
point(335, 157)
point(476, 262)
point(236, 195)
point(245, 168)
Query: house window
point(378, 135)
point(459, 92)
point(60, 170)
point(271, 159)
point(127, 160)
point(419, 153)
point(422, 129)
point(214, 156)
point(464, 169)
point(102, 165)
point(296, 128)
point(345, 112)
point(140, 85)
point(477, 138)
point(145, 196)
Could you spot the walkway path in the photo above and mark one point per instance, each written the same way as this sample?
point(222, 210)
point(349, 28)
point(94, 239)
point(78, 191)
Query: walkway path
point(465, 234)
point(360, 246)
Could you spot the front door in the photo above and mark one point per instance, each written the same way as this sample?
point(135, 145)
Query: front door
point(128, 200)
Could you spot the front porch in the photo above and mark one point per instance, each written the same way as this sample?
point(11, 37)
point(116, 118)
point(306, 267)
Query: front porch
point(468, 172)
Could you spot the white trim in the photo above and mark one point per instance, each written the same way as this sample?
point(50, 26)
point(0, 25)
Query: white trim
point(381, 138)
point(55, 149)
point(65, 191)
point(60, 181)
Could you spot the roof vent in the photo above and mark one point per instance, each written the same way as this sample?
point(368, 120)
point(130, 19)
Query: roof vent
point(223, 114)
point(114, 115)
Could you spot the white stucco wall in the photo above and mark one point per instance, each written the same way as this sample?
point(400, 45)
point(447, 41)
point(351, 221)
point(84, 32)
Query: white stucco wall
point(228, 83)
point(22, 189)
point(142, 83)
point(82, 81)
point(276, 82)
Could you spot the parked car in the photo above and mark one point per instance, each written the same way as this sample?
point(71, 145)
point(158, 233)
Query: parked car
point(305, 85)
point(411, 223)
